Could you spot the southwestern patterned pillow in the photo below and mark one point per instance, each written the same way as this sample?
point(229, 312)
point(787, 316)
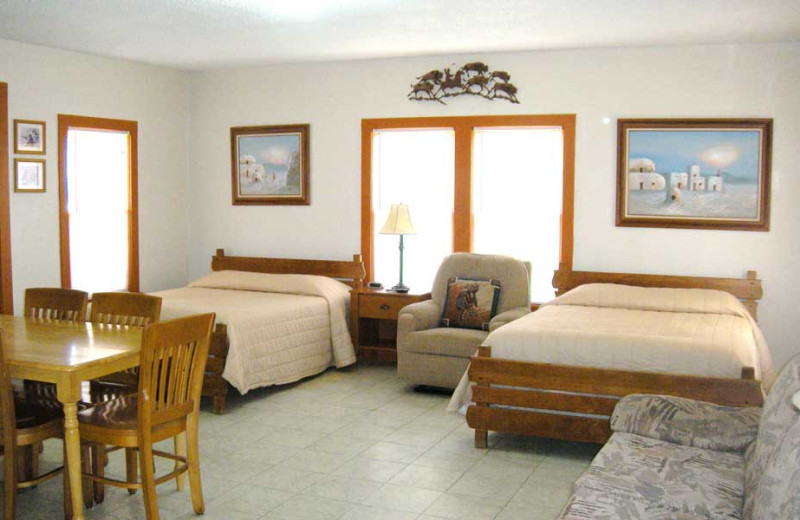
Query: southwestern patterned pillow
point(470, 304)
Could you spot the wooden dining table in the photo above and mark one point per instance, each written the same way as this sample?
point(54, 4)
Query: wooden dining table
point(68, 353)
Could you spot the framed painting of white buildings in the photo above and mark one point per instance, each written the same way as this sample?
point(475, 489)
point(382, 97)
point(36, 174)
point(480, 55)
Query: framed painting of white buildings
point(270, 165)
point(694, 173)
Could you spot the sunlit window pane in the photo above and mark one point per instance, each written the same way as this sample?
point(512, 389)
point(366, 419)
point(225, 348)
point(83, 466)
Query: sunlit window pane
point(516, 198)
point(97, 202)
point(413, 167)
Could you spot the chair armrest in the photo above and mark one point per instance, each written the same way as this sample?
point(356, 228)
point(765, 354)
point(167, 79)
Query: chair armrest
point(686, 421)
point(419, 316)
point(508, 316)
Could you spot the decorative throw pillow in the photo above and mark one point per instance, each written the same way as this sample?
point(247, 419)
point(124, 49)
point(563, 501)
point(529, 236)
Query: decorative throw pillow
point(470, 304)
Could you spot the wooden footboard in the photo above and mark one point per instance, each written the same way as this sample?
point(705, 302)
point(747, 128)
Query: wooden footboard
point(213, 384)
point(533, 396)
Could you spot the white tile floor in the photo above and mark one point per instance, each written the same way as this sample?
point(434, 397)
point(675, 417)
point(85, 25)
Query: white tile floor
point(352, 445)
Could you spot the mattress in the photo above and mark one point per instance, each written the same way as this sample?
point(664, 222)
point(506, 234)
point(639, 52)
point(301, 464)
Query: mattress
point(281, 328)
point(674, 342)
point(678, 331)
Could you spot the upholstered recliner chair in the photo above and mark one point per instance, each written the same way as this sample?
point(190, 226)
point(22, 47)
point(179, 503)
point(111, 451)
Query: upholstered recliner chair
point(431, 354)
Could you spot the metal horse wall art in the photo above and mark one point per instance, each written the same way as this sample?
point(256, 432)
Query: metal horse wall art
point(473, 78)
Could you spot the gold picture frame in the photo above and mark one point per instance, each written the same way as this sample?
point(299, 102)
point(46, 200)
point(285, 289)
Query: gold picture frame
point(30, 137)
point(270, 165)
point(694, 173)
point(30, 176)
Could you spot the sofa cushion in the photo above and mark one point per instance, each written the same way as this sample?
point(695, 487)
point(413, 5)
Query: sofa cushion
point(778, 493)
point(586, 504)
point(773, 460)
point(645, 474)
point(470, 304)
point(686, 421)
point(445, 342)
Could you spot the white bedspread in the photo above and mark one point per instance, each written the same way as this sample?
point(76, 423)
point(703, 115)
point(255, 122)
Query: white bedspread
point(680, 331)
point(282, 328)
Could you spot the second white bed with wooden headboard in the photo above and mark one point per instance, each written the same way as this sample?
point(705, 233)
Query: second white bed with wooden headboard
point(285, 319)
point(559, 371)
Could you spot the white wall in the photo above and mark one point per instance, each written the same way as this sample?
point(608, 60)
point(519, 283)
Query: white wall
point(699, 81)
point(43, 83)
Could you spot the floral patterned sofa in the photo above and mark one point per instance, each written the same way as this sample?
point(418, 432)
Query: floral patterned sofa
point(673, 458)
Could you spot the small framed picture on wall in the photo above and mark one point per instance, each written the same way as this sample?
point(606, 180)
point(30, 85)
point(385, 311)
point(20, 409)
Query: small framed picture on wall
point(29, 175)
point(29, 137)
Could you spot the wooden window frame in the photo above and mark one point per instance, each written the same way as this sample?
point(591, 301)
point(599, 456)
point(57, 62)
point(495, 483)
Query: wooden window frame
point(67, 122)
point(463, 126)
point(6, 292)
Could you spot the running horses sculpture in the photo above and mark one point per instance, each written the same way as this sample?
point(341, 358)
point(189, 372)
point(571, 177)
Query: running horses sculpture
point(473, 78)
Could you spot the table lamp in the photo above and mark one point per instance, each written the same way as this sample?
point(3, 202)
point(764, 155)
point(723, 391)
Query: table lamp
point(399, 223)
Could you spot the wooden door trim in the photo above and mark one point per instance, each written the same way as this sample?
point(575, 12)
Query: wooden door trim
point(462, 200)
point(6, 290)
point(65, 122)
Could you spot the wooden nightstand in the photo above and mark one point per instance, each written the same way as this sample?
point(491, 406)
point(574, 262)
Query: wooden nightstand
point(373, 315)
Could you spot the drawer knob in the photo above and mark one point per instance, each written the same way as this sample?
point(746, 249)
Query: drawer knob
point(384, 307)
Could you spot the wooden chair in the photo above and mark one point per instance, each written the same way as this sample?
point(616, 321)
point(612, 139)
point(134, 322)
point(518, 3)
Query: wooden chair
point(56, 304)
point(22, 431)
point(167, 404)
point(125, 309)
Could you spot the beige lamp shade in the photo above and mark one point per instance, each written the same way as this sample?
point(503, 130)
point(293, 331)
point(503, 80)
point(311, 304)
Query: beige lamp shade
point(399, 222)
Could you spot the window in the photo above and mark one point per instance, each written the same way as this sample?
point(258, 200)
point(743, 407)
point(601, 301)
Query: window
point(510, 192)
point(97, 172)
point(516, 183)
point(423, 181)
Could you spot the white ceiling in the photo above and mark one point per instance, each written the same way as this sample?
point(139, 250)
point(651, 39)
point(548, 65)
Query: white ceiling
point(205, 34)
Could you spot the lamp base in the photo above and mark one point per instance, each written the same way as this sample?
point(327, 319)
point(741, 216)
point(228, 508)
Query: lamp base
point(399, 288)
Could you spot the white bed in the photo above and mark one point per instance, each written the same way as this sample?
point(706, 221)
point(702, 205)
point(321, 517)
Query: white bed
point(281, 327)
point(622, 330)
point(680, 331)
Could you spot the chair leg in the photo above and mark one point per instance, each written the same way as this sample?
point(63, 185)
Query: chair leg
point(130, 467)
point(35, 451)
point(10, 485)
point(68, 513)
point(99, 470)
point(193, 461)
point(86, 484)
point(24, 463)
point(180, 450)
point(148, 481)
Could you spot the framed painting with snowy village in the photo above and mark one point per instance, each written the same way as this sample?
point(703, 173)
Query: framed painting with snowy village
point(270, 165)
point(694, 173)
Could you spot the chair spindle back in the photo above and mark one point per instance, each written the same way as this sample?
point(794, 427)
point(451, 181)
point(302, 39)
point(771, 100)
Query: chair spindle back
point(131, 309)
point(173, 361)
point(56, 304)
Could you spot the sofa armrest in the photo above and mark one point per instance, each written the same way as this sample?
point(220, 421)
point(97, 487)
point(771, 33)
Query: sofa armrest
point(686, 421)
point(417, 316)
point(508, 316)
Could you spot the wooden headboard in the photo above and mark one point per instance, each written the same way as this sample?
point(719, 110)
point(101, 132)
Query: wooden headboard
point(350, 272)
point(748, 290)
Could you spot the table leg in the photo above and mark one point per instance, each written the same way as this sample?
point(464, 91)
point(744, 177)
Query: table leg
point(73, 443)
point(69, 393)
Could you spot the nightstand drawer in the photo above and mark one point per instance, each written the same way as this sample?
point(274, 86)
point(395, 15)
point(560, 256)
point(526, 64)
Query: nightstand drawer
point(381, 307)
